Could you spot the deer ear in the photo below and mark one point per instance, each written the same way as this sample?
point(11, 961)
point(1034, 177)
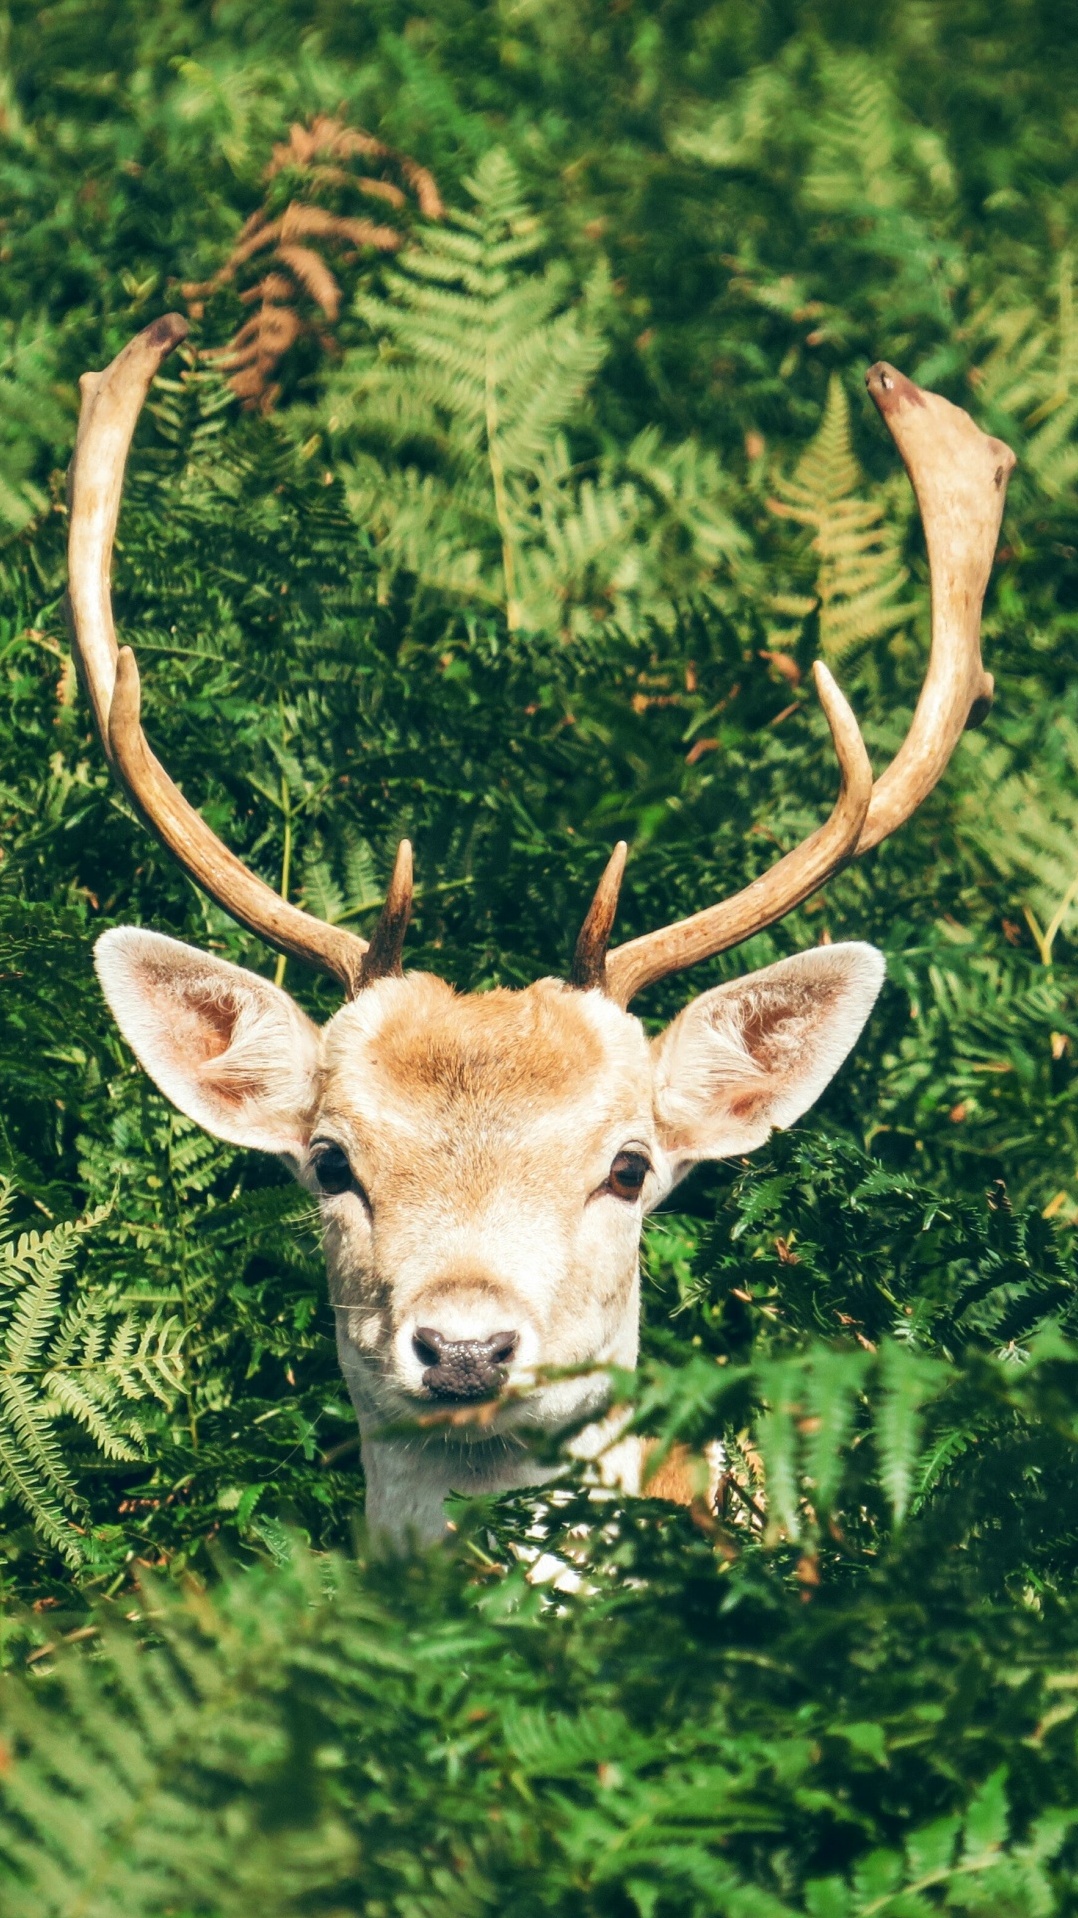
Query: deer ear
point(756, 1053)
point(232, 1051)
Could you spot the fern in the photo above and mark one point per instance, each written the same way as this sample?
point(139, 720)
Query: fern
point(907, 1380)
point(776, 1438)
point(966, 1859)
point(860, 576)
point(294, 234)
point(1026, 827)
point(1028, 369)
point(35, 422)
point(84, 1359)
point(485, 364)
point(867, 152)
point(813, 1405)
point(482, 367)
point(263, 1751)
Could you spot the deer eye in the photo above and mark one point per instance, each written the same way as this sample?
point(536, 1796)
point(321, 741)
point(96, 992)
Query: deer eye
point(627, 1174)
point(332, 1170)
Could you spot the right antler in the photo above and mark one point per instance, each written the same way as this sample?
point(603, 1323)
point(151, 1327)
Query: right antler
point(111, 403)
point(959, 475)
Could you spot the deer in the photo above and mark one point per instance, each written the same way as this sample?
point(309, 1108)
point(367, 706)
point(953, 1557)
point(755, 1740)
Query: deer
point(483, 1162)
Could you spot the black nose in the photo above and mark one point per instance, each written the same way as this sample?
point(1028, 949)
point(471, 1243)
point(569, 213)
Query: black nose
point(463, 1368)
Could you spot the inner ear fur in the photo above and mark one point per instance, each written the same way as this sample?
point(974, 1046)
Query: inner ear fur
point(756, 1053)
point(228, 1048)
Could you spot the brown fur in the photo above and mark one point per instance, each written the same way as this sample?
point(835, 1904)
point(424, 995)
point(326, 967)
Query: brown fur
point(516, 1049)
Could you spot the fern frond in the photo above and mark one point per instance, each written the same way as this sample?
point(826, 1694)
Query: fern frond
point(868, 154)
point(76, 1397)
point(1026, 827)
point(85, 1360)
point(780, 1383)
point(860, 579)
point(38, 1497)
point(460, 415)
point(908, 1381)
point(318, 159)
point(833, 1382)
point(1028, 367)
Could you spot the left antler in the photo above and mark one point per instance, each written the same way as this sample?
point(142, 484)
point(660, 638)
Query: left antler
point(111, 403)
point(959, 476)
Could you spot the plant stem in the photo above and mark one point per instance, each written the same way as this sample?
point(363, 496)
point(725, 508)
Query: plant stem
point(1046, 939)
point(286, 870)
point(185, 1302)
point(501, 503)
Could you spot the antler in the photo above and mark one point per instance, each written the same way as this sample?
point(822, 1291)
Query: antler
point(959, 476)
point(111, 403)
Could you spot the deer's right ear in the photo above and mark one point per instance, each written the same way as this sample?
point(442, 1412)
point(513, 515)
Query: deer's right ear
point(232, 1051)
point(757, 1052)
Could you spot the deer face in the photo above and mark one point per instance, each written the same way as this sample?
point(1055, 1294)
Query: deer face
point(483, 1163)
point(502, 1149)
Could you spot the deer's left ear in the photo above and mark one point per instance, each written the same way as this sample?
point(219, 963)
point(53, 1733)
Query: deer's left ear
point(756, 1053)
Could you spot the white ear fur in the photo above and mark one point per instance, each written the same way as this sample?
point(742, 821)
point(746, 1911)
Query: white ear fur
point(232, 1051)
point(757, 1052)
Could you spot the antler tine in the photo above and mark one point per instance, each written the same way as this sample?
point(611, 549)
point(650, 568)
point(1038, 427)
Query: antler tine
point(111, 403)
point(589, 959)
point(959, 476)
point(383, 956)
point(640, 962)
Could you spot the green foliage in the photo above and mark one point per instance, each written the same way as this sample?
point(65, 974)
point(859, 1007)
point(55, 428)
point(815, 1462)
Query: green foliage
point(1028, 827)
point(1029, 370)
point(859, 574)
point(35, 425)
point(84, 1361)
point(288, 1741)
point(504, 570)
point(480, 373)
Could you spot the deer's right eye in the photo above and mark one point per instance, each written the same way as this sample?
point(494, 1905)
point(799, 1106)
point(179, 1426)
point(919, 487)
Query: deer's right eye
point(332, 1170)
point(627, 1175)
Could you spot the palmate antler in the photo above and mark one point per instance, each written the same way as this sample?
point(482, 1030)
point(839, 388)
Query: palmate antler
point(959, 475)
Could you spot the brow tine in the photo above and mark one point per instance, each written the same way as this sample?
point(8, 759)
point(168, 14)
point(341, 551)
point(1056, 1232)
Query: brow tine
point(589, 959)
point(382, 959)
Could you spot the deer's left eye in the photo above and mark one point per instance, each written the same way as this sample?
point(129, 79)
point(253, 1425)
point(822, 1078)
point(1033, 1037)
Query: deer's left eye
point(627, 1174)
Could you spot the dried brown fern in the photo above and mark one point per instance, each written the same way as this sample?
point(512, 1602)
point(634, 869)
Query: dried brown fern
point(278, 263)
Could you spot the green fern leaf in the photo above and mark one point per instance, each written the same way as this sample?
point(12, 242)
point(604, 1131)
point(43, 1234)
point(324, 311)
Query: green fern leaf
point(457, 421)
point(908, 1380)
point(860, 578)
point(85, 1362)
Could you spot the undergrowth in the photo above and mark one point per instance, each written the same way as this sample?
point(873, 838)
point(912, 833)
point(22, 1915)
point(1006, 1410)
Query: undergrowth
point(548, 498)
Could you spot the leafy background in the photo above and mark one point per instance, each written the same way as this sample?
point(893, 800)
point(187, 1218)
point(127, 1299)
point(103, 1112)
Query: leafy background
point(668, 239)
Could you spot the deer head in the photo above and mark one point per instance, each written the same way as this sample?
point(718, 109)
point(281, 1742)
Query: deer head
point(483, 1162)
